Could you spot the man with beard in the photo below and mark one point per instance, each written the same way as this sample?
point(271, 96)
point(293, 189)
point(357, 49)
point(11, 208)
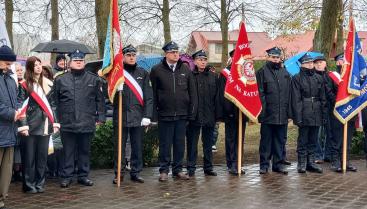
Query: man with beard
point(274, 88)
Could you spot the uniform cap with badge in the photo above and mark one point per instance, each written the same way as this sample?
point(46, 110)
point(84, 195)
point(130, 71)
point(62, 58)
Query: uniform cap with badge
point(199, 54)
point(170, 47)
point(77, 55)
point(306, 58)
point(275, 51)
point(130, 49)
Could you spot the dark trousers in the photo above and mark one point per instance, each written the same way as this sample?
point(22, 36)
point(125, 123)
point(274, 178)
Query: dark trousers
point(55, 162)
point(284, 143)
point(337, 140)
point(231, 142)
point(6, 164)
point(215, 134)
point(271, 145)
point(171, 134)
point(34, 161)
point(323, 144)
point(364, 123)
point(136, 138)
point(76, 143)
point(306, 143)
point(192, 138)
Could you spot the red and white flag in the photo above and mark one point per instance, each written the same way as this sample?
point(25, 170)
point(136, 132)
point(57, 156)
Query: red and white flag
point(22, 110)
point(241, 87)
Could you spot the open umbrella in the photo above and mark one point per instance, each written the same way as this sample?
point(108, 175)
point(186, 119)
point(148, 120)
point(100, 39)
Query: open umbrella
point(293, 66)
point(62, 47)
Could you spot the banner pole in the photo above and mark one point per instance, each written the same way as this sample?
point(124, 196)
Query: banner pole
point(239, 156)
point(119, 140)
point(344, 163)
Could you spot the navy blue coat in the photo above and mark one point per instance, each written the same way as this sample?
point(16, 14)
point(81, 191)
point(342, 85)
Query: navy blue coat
point(8, 106)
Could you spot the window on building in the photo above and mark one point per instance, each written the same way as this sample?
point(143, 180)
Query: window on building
point(218, 48)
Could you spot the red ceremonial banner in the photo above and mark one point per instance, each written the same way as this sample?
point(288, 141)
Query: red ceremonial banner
point(241, 87)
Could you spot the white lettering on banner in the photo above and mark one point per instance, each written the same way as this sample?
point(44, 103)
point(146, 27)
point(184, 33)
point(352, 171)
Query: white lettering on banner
point(243, 46)
point(238, 88)
point(230, 79)
point(250, 94)
point(347, 109)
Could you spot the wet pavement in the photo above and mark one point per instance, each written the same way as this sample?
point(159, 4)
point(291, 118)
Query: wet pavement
point(328, 190)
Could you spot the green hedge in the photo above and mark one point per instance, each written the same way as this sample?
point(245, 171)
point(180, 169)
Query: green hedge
point(102, 146)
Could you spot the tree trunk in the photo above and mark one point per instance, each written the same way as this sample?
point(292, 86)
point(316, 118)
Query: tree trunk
point(224, 30)
point(340, 31)
point(54, 24)
point(165, 20)
point(9, 10)
point(325, 34)
point(102, 10)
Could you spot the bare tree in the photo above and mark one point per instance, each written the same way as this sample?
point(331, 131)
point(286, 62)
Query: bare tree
point(325, 33)
point(102, 11)
point(9, 9)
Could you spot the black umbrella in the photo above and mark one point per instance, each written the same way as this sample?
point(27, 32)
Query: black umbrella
point(63, 47)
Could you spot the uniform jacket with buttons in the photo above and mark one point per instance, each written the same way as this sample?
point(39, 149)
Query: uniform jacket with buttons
point(174, 92)
point(308, 99)
point(78, 101)
point(133, 111)
point(274, 88)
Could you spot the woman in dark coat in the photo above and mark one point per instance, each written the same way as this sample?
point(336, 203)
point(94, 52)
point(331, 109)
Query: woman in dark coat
point(37, 125)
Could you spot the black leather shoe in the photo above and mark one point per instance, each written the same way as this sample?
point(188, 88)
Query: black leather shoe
point(137, 179)
point(41, 190)
point(286, 162)
point(314, 168)
point(210, 173)
point(191, 173)
point(31, 191)
point(65, 183)
point(263, 170)
point(85, 182)
point(301, 170)
point(351, 168)
point(280, 170)
point(114, 181)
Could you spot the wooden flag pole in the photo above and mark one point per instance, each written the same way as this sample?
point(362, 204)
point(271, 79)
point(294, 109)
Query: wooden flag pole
point(119, 140)
point(239, 156)
point(344, 163)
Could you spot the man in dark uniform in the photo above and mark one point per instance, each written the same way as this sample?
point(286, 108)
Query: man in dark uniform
point(274, 84)
point(135, 115)
point(207, 90)
point(229, 113)
point(338, 132)
point(79, 105)
point(325, 133)
point(308, 111)
point(175, 102)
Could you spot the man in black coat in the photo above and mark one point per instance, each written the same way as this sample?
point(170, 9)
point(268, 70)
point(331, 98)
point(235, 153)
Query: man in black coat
point(326, 132)
point(274, 87)
point(338, 132)
point(229, 113)
point(308, 111)
point(8, 116)
point(175, 102)
point(79, 105)
point(135, 115)
point(207, 91)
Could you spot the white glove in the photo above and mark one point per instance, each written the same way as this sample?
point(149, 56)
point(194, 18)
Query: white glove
point(120, 87)
point(145, 122)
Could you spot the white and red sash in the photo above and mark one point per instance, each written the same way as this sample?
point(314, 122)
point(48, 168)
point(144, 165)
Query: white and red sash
point(39, 96)
point(225, 72)
point(335, 76)
point(134, 86)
